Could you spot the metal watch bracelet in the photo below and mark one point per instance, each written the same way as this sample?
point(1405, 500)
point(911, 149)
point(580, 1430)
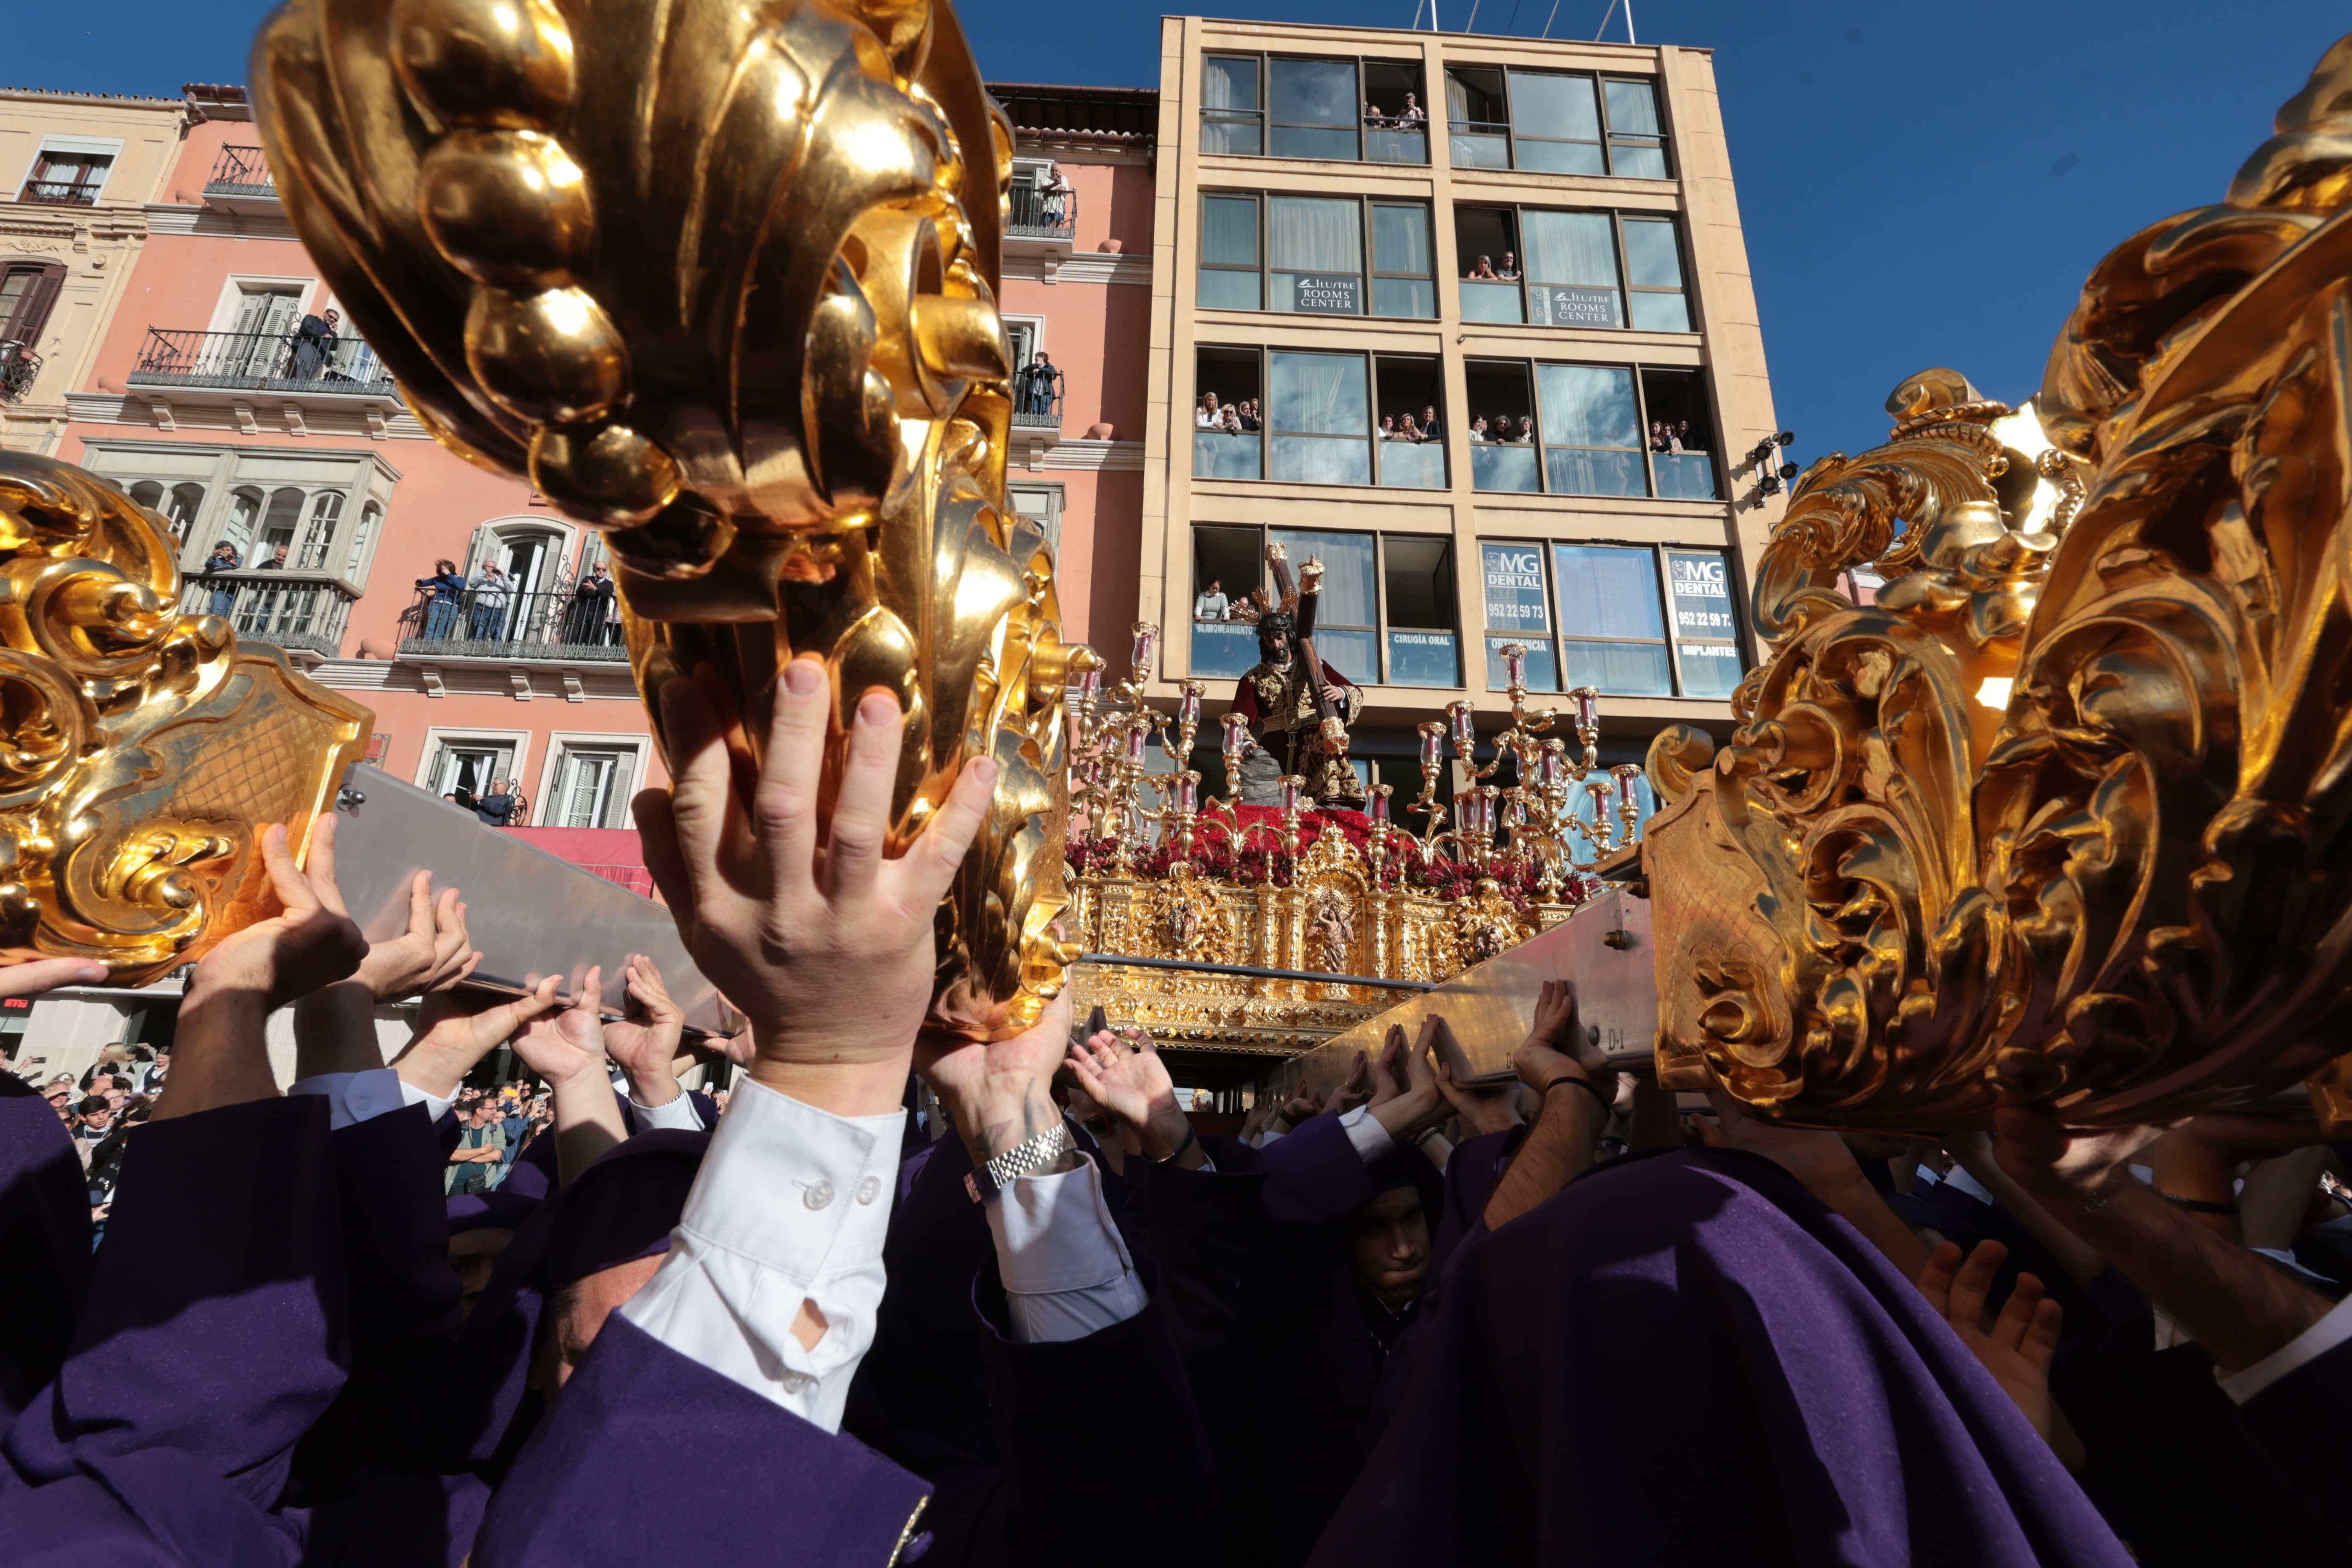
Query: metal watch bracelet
point(1032, 1152)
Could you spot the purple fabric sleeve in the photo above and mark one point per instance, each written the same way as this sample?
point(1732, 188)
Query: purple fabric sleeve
point(598, 1480)
point(216, 1312)
point(45, 1239)
point(1314, 1175)
point(160, 1509)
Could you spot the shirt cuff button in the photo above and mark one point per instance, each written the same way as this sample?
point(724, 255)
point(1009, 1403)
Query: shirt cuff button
point(869, 1189)
point(818, 1194)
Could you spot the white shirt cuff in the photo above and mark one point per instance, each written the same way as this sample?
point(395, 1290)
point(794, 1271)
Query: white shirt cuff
point(2307, 1346)
point(1065, 1268)
point(1370, 1139)
point(356, 1097)
point(792, 1205)
point(678, 1115)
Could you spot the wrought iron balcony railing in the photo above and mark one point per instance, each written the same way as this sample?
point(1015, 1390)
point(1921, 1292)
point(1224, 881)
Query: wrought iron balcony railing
point(487, 622)
point(1043, 214)
point(303, 611)
point(1036, 400)
point(240, 171)
point(64, 192)
point(19, 368)
point(262, 362)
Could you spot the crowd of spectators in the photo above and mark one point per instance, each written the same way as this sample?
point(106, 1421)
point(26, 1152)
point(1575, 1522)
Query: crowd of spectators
point(1239, 418)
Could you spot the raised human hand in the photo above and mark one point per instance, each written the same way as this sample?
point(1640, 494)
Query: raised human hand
point(311, 943)
point(2058, 1166)
point(434, 953)
point(1356, 1088)
point(1129, 1081)
point(567, 1048)
point(1559, 1046)
point(998, 1092)
point(2018, 1347)
point(1485, 1110)
point(36, 976)
point(451, 1037)
point(826, 944)
point(645, 1041)
point(1388, 1069)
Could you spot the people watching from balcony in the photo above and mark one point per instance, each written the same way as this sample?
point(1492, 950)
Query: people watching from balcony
point(1249, 415)
point(593, 609)
point(1666, 435)
point(1037, 385)
point(224, 558)
point(1428, 426)
point(1212, 605)
point(277, 561)
point(1509, 271)
point(1388, 427)
point(1055, 186)
point(446, 587)
point(315, 342)
point(1483, 270)
point(1210, 415)
point(1478, 436)
point(485, 619)
point(497, 808)
point(1410, 431)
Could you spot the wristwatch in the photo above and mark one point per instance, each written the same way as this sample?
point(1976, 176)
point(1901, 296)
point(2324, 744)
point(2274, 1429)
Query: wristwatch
point(1032, 1152)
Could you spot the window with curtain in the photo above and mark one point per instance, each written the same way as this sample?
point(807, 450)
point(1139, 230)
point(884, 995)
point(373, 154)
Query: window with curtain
point(1313, 109)
point(1612, 633)
point(1346, 621)
point(1229, 258)
point(1555, 123)
point(1653, 266)
point(1518, 611)
point(1707, 640)
point(1319, 416)
point(1591, 429)
point(1403, 276)
point(1572, 266)
point(592, 788)
point(1637, 146)
point(1476, 128)
point(1230, 118)
point(1315, 251)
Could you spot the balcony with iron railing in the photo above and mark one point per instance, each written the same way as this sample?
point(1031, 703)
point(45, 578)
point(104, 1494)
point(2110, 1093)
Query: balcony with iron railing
point(301, 612)
point(554, 624)
point(241, 182)
point(1036, 401)
point(262, 362)
point(80, 193)
point(19, 368)
point(1043, 214)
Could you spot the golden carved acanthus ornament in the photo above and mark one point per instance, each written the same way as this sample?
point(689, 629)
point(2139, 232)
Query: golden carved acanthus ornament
point(2063, 816)
point(721, 278)
point(141, 749)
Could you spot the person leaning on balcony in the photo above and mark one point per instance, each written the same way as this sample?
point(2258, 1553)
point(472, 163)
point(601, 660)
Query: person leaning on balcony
point(224, 558)
point(496, 807)
point(277, 561)
point(489, 590)
point(442, 590)
point(592, 605)
point(1212, 606)
point(1045, 383)
point(1208, 416)
point(314, 345)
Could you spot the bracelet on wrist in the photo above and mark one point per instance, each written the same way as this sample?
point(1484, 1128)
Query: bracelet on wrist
point(2198, 1206)
point(1586, 1084)
point(1192, 1136)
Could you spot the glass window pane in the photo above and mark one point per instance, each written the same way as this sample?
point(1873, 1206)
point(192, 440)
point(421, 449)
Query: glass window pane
point(1588, 405)
point(1229, 290)
point(1229, 82)
point(1313, 234)
point(1490, 301)
point(1631, 669)
point(1314, 92)
point(1223, 647)
point(1309, 141)
point(1572, 305)
point(1389, 146)
point(1494, 468)
point(1700, 582)
point(1322, 460)
point(1637, 161)
point(1349, 596)
point(1401, 238)
point(1546, 103)
point(1216, 455)
point(1515, 589)
point(1571, 247)
point(1632, 106)
point(1561, 157)
point(1353, 654)
point(1684, 475)
point(1229, 230)
point(1473, 151)
point(1573, 471)
point(1661, 313)
point(1321, 394)
point(1234, 136)
point(1424, 658)
point(1403, 296)
point(1711, 669)
point(1607, 591)
point(1413, 465)
point(1543, 671)
point(1650, 253)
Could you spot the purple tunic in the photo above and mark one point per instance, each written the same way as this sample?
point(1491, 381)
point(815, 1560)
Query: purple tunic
point(1684, 1358)
point(45, 1239)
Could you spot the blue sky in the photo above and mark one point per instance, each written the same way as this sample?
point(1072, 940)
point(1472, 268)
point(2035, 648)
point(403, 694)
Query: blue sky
point(1921, 184)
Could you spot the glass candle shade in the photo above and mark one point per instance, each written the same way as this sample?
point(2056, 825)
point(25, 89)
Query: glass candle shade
point(1135, 738)
point(1291, 784)
point(1549, 764)
point(1379, 804)
point(1466, 723)
point(1188, 793)
point(1433, 743)
point(1147, 638)
point(1515, 664)
point(1588, 708)
point(1187, 706)
point(1236, 731)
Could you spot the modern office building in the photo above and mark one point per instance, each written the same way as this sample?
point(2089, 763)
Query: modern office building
point(1536, 246)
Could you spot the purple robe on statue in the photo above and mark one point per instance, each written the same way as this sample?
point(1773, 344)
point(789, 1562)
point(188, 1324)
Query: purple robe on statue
point(1684, 1358)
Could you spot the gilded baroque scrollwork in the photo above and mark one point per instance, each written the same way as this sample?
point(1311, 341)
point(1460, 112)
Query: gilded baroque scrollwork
point(720, 279)
point(2060, 816)
point(141, 749)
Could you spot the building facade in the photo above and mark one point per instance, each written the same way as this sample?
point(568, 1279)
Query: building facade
point(1536, 246)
